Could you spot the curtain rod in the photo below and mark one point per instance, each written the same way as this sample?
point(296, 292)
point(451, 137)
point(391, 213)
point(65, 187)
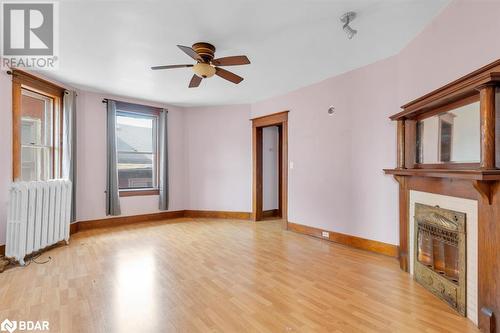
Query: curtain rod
point(105, 101)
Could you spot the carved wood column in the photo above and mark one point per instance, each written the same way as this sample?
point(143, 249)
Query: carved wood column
point(410, 137)
point(487, 100)
point(403, 222)
point(401, 144)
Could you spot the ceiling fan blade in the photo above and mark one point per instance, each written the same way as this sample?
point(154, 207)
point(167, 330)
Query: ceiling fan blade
point(228, 75)
point(195, 81)
point(190, 52)
point(170, 66)
point(231, 61)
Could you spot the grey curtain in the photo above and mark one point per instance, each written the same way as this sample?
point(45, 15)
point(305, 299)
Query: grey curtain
point(69, 145)
point(163, 152)
point(112, 195)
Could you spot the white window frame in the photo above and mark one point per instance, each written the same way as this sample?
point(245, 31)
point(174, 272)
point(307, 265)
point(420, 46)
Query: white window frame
point(53, 169)
point(154, 153)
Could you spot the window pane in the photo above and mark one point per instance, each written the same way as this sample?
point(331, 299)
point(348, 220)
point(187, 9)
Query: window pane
point(36, 117)
point(134, 133)
point(135, 170)
point(36, 136)
point(35, 163)
point(136, 145)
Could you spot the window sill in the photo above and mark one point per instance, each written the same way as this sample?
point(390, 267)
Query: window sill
point(141, 192)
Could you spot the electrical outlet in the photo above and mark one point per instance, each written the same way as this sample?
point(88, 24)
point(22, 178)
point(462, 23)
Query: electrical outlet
point(325, 234)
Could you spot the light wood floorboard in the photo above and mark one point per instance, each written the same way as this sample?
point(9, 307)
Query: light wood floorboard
point(201, 275)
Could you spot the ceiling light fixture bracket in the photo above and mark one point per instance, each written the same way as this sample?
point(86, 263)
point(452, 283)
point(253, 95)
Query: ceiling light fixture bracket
point(346, 19)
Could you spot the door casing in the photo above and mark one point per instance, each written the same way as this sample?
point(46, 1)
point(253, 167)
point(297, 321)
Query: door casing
point(280, 120)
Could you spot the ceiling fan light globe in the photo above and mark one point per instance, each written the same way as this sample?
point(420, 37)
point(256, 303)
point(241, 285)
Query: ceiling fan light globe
point(204, 70)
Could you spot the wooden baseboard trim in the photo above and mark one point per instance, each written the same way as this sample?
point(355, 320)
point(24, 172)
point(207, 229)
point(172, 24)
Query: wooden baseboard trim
point(73, 228)
point(271, 213)
point(213, 214)
point(122, 220)
point(352, 241)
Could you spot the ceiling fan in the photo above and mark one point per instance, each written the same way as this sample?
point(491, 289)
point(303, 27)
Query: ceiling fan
point(206, 66)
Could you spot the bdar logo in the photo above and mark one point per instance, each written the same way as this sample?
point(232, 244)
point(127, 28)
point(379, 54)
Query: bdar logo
point(8, 325)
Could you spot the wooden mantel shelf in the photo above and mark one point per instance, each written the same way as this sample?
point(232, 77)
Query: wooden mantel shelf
point(475, 174)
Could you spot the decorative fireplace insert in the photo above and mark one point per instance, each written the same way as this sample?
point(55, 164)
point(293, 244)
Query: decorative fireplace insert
point(439, 255)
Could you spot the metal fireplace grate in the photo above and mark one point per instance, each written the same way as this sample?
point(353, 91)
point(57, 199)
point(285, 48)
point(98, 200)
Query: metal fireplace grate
point(439, 256)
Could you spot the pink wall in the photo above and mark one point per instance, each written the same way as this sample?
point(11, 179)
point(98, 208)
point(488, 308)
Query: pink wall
point(219, 160)
point(336, 182)
point(460, 40)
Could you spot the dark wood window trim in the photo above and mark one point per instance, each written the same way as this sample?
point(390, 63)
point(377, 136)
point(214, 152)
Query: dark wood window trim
point(22, 80)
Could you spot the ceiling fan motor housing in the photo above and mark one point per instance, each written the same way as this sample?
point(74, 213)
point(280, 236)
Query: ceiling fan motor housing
point(205, 50)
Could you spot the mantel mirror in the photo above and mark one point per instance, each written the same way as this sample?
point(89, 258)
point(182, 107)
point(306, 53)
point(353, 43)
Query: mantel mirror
point(450, 134)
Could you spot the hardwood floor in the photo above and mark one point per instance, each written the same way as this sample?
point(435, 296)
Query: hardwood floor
point(221, 276)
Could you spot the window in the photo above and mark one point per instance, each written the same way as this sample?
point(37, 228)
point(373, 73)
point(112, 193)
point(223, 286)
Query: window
point(37, 140)
point(36, 128)
point(137, 142)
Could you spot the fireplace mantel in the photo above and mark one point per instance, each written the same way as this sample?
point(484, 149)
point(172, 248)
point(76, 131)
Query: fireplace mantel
point(478, 174)
point(478, 180)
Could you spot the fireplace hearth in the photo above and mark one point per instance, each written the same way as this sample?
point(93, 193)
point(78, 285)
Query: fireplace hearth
point(440, 253)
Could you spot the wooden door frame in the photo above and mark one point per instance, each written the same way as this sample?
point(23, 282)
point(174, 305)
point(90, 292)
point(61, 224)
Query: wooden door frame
point(279, 119)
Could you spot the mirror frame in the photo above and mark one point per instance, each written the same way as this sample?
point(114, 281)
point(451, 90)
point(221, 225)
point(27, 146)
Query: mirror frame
point(411, 144)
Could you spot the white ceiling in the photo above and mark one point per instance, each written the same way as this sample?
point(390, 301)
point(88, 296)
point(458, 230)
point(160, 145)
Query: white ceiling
point(108, 46)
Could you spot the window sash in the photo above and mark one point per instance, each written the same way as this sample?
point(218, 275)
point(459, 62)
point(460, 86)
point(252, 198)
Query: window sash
point(155, 144)
point(43, 142)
